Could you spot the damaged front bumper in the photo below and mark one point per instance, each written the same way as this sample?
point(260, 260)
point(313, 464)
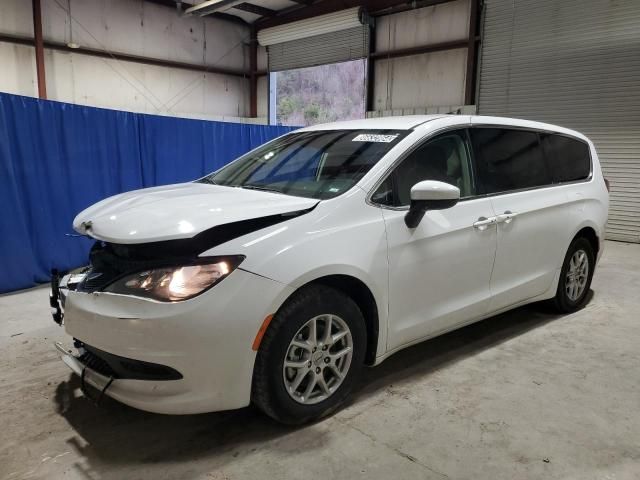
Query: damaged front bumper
point(88, 376)
point(60, 285)
point(185, 357)
point(99, 369)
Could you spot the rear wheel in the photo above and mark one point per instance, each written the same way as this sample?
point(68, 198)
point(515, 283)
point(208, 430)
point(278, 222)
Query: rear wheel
point(575, 276)
point(310, 356)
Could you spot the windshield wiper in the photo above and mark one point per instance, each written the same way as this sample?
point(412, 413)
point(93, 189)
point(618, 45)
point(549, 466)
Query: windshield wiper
point(261, 188)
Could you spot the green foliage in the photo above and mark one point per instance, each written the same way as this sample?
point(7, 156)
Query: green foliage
point(312, 113)
point(287, 105)
point(321, 94)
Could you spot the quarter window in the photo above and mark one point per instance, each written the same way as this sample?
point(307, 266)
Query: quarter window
point(568, 157)
point(509, 159)
point(444, 158)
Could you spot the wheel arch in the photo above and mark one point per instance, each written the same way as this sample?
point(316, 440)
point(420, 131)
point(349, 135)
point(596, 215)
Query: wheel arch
point(361, 294)
point(591, 235)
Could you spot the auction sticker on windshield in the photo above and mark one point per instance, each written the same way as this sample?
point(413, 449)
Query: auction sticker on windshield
point(374, 137)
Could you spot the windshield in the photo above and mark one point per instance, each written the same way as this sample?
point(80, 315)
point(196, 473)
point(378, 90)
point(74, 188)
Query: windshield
point(319, 164)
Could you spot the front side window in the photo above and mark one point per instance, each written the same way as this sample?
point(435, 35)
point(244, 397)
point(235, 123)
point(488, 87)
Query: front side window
point(319, 164)
point(444, 158)
point(509, 159)
point(569, 158)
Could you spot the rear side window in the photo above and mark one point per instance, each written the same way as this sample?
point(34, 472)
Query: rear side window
point(509, 159)
point(568, 158)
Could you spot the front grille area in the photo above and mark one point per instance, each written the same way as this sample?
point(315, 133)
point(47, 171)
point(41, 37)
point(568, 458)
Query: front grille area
point(96, 364)
point(115, 366)
point(97, 280)
point(110, 261)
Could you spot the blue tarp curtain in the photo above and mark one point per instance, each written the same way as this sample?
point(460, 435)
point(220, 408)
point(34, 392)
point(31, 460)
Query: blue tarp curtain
point(57, 159)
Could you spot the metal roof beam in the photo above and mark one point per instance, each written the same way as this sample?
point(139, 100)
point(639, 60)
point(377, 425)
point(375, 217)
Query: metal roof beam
point(219, 15)
point(20, 40)
point(257, 9)
point(295, 13)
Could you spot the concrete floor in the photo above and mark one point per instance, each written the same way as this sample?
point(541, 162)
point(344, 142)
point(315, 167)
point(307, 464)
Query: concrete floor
point(523, 395)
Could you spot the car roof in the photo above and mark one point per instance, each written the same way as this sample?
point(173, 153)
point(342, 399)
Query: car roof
point(516, 122)
point(409, 122)
point(406, 122)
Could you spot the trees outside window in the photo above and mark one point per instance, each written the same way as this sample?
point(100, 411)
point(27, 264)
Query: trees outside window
point(325, 93)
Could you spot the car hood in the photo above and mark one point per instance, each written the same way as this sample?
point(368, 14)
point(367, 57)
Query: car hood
point(179, 211)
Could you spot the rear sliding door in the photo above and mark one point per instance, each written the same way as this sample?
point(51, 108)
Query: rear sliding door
point(531, 213)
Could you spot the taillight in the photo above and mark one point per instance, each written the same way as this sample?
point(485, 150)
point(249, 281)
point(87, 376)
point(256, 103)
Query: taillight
point(606, 182)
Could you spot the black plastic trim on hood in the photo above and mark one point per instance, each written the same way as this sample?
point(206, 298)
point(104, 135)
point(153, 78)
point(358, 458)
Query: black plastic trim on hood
point(110, 261)
point(203, 241)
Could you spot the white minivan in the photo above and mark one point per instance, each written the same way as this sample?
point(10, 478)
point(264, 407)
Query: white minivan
point(276, 278)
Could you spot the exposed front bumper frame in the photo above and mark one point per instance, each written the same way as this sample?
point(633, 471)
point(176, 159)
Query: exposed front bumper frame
point(89, 376)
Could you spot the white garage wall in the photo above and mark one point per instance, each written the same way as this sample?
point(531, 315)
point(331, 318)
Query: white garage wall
point(262, 58)
point(423, 26)
point(263, 97)
point(18, 69)
point(431, 79)
point(426, 80)
point(133, 27)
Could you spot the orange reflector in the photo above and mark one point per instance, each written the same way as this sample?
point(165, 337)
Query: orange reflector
point(260, 334)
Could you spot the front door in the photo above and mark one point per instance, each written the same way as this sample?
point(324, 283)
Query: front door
point(440, 271)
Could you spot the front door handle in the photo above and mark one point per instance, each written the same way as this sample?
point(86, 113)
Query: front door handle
point(483, 223)
point(506, 217)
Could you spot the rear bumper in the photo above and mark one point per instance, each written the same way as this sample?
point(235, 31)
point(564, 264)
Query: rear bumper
point(206, 339)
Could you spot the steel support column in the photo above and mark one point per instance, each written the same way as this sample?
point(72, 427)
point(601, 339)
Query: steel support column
point(39, 44)
point(472, 48)
point(371, 72)
point(253, 75)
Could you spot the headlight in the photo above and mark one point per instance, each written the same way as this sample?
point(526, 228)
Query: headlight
point(175, 283)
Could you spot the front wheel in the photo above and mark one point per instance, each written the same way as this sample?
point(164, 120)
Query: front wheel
point(575, 276)
point(310, 356)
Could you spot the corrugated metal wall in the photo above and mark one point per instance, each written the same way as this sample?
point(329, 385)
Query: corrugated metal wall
point(335, 37)
point(349, 44)
point(575, 63)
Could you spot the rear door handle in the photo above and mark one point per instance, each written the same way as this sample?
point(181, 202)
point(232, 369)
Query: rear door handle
point(483, 223)
point(506, 217)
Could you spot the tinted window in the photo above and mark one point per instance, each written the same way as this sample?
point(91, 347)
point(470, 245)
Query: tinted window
point(568, 158)
point(318, 164)
point(509, 159)
point(385, 194)
point(444, 158)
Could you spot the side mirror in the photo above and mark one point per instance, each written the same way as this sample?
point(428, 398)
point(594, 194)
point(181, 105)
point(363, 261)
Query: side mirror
point(430, 195)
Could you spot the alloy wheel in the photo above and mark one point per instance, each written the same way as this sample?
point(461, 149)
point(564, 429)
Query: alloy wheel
point(577, 275)
point(318, 359)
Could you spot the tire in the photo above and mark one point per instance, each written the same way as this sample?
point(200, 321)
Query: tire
point(274, 388)
point(566, 299)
